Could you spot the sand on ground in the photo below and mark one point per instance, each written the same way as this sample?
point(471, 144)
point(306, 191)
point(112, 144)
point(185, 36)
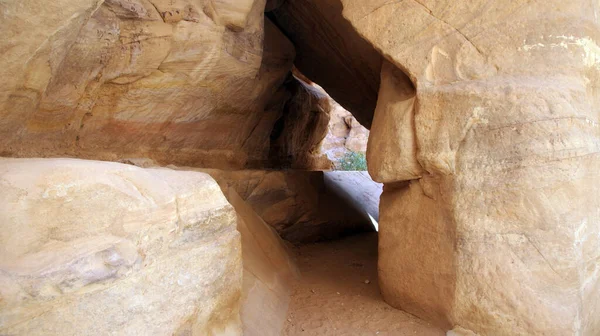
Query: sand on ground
point(338, 293)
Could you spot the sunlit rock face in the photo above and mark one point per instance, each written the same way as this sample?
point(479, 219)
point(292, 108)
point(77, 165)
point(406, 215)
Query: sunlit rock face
point(99, 248)
point(344, 135)
point(489, 218)
point(196, 83)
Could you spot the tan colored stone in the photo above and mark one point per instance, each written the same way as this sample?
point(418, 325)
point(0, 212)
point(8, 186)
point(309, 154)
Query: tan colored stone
point(269, 273)
point(98, 248)
point(392, 151)
point(297, 135)
point(192, 83)
point(500, 234)
point(298, 204)
point(344, 134)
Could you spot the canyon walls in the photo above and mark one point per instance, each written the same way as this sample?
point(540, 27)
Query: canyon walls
point(484, 129)
point(303, 206)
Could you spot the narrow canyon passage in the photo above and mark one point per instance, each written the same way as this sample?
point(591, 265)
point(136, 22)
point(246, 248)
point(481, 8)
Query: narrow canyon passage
point(299, 167)
point(338, 293)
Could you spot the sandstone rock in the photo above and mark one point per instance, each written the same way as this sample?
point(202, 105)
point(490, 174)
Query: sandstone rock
point(344, 134)
point(392, 154)
point(98, 248)
point(498, 233)
point(195, 83)
point(297, 204)
point(268, 273)
point(332, 54)
point(298, 133)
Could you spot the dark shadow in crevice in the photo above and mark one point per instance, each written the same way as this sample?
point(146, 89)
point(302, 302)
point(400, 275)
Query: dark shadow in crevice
point(332, 53)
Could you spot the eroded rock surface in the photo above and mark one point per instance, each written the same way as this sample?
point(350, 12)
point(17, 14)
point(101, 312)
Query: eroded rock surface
point(295, 141)
point(195, 83)
point(497, 228)
point(344, 135)
point(100, 248)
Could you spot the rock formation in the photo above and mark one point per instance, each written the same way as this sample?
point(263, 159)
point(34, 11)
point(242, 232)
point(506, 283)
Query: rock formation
point(344, 135)
point(104, 248)
point(332, 54)
point(489, 215)
point(301, 206)
point(196, 83)
point(268, 272)
point(484, 129)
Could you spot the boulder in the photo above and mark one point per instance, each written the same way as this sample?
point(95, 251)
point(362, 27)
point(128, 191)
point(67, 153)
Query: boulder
point(192, 83)
point(99, 248)
point(489, 217)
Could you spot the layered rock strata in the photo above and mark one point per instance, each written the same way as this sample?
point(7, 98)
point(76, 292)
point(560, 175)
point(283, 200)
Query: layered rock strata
point(103, 248)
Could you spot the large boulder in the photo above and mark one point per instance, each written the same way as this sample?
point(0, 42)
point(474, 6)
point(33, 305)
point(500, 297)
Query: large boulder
point(487, 136)
point(196, 83)
point(98, 248)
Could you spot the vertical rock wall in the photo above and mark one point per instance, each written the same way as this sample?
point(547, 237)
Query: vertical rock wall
point(489, 217)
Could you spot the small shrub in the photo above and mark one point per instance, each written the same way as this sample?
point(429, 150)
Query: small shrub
point(353, 161)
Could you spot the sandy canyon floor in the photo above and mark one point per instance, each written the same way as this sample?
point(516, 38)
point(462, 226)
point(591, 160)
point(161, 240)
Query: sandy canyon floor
point(338, 293)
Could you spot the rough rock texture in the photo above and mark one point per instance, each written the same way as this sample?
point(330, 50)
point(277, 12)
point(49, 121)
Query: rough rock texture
point(296, 203)
point(101, 248)
point(269, 273)
point(332, 54)
point(344, 134)
point(196, 83)
point(498, 229)
point(295, 141)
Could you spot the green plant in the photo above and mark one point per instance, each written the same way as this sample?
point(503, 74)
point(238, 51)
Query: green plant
point(352, 161)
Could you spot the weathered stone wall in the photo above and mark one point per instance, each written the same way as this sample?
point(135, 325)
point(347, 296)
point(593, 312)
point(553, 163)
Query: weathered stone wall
point(497, 228)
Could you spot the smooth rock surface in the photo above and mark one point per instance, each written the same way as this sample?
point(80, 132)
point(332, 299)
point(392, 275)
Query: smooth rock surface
point(269, 273)
point(99, 248)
